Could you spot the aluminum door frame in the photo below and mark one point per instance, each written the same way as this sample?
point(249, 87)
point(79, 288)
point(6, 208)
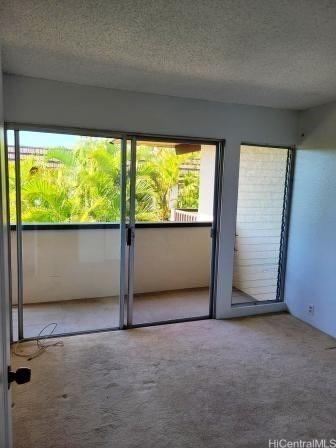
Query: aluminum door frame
point(19, 243)
point(122, 278)
point(5, 395)
point(127, 224)
point(215, 228)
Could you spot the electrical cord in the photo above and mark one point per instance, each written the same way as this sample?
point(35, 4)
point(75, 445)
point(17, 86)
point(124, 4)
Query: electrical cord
point(41, 344)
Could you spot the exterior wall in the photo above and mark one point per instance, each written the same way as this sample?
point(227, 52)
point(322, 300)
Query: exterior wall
point(311, 261)
point(259, 215)
point(172, 258)
point(74, 264)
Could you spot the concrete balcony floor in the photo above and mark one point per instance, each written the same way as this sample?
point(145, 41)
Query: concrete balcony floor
point(101, 313)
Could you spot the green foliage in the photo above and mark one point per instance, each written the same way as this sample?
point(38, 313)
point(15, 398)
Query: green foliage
point(83, 184)
point(189, 192)
point(157, 174)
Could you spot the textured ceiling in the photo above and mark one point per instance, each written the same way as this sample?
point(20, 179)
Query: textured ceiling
point(279, 53)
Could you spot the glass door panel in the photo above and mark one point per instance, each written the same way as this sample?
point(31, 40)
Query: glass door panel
point(68, 221)
point(11, 181)
point(173, 213)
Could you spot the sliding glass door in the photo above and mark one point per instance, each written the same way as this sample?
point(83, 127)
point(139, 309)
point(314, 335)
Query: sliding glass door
point(170, 220)
point(110, 231)
point(66, 192)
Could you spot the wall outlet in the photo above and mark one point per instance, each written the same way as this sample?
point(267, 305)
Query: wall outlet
point(311, 309)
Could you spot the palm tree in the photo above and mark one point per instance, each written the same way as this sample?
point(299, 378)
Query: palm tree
point(93, 169)
point(79, 185)
point(42, 198)
point(158, 172)
point(189, 191)
point(83, 184)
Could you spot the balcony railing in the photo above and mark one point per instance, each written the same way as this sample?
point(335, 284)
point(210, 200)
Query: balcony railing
point(184, 215)
point(79, 261)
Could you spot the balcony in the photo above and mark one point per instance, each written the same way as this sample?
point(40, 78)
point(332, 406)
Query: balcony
point(71, 275)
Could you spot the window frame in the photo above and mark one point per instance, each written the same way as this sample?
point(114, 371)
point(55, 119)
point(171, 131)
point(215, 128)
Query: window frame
point(285, 221)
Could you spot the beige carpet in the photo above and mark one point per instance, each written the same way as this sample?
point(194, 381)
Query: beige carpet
point(199, 384)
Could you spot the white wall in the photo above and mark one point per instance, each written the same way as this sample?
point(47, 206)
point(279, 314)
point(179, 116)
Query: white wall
point(76, 264)
point(317, 127)
point(311, 266)
point(29, 100)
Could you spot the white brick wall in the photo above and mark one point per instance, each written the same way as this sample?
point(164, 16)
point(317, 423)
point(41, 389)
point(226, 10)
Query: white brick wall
point(259, 213)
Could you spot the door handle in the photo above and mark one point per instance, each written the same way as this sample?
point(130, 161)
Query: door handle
point(21, 376)
point(129, 236)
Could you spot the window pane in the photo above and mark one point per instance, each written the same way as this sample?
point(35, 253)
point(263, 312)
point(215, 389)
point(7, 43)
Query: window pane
point(70, 273)
point(174, 182)
point(69, 179)
point(172, 263)
point(262, 178)
point(11, 175)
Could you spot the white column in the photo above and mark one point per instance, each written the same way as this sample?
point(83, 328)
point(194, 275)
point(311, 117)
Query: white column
point(206, 186)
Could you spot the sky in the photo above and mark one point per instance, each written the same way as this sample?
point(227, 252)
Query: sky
point(43, 139)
